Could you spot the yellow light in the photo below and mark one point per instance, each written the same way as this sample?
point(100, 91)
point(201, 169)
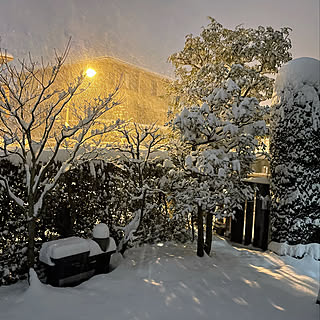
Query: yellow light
point(90, 73)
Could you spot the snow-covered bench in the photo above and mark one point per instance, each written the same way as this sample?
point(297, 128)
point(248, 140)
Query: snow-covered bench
point(72, 260)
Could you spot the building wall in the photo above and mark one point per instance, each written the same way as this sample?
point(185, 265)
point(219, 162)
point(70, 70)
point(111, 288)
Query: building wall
point(142, 93)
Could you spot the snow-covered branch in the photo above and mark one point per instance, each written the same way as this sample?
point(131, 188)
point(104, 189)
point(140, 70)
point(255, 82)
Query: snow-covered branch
point(5, 184)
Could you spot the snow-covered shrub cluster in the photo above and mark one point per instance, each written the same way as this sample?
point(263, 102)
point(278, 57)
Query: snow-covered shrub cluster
point(142, 162)
point(92, 192)
point(34, 98)
point(297, 250)
point(57, 186)
point(295, 150)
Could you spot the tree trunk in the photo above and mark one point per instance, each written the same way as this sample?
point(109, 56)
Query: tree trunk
point(31, 236)
point(192, 226)
point(200, 243)
point(207, 246)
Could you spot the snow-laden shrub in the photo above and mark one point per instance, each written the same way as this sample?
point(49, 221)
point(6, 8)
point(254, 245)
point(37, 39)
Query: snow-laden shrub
point(92, 192)
point(295, 149)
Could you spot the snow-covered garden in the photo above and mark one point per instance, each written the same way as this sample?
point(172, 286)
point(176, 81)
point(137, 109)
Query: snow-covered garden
point(168, 281)
point(160, 191)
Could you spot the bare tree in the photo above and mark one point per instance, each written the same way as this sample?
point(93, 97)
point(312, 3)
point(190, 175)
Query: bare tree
point(137, 148)
point(34, 97)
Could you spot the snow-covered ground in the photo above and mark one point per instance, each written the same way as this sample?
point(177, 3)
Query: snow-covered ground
point(170, 282)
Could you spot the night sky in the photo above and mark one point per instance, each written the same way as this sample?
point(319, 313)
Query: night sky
point(144, 32)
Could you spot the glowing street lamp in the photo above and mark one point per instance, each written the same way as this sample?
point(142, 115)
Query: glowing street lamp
point(90, 73)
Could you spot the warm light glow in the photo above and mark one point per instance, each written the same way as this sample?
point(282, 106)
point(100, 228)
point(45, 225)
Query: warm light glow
point(5, 57)
point(90, 73)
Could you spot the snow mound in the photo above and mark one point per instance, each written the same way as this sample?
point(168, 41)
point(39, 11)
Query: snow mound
point(305, 266)
point(115, 260)
point(298, 251)
point(36, 288)
point(34, 280)
point(298, 73)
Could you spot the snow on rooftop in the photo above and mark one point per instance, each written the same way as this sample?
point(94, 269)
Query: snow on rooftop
point(298, 73)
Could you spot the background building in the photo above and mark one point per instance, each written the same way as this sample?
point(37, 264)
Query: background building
point(142, 93)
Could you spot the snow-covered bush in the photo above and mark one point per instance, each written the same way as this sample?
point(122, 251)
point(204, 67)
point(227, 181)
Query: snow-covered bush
point(295, 150)
point(95, 191)
point(13, 230)
point(73, 208)
point(80, 200)
point(141, 159)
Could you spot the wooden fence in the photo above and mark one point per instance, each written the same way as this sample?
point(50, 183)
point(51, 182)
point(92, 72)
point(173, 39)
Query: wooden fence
point(251, 223)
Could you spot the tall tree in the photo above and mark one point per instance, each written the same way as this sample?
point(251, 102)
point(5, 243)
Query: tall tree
point(222, 76)
point(34, 99)
point(247, 56)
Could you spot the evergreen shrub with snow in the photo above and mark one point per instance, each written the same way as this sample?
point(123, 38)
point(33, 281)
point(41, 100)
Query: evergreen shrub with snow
point(295, 150)
point(92, 192)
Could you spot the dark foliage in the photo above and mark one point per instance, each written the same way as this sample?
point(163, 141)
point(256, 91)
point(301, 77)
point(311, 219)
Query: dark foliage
point(91, 193)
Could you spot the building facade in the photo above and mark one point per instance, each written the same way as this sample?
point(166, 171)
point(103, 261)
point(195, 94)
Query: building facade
point(142, 93)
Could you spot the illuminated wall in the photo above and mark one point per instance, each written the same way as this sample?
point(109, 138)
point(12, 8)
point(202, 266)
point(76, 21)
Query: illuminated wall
point(142, 93)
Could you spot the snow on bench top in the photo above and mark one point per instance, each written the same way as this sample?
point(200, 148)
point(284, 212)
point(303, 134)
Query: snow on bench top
point(61, 248)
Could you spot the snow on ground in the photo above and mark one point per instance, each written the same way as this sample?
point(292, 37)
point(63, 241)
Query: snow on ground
point(170, 282)
point(298, 250)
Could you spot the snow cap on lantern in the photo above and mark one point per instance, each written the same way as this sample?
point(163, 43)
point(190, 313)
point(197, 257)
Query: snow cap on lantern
point(101, 231)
